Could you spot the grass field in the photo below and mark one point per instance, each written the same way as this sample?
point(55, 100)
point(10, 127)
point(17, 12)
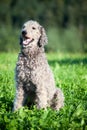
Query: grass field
point(70, 72)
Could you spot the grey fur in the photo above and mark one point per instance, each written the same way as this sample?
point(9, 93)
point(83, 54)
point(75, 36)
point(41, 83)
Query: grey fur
point(34, 78)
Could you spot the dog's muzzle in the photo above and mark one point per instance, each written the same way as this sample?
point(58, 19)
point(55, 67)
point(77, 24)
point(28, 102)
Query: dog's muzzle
point(25, 39)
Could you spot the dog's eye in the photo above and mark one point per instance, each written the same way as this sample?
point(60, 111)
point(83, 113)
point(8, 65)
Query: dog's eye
point(33, 28)
point(23, 27)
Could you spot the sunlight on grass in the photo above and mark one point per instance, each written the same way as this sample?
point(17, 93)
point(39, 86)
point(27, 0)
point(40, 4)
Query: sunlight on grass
point(70, 72)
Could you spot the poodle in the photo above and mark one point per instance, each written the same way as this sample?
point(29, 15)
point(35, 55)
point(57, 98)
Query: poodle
point(34, 79)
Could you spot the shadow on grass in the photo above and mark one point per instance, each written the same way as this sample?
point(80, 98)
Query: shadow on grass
point(67, 61)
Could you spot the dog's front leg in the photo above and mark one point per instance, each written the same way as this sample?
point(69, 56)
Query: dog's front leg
point(41, 99)
point(20, 98)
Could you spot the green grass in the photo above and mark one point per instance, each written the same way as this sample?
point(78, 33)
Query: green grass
point(70, 72)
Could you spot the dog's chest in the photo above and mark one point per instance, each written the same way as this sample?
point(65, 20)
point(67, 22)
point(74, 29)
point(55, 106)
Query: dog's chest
point(25, 68)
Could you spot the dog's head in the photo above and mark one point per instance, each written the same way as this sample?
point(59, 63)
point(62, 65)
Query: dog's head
point(32, 34)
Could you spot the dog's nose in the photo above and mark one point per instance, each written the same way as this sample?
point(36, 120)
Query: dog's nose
point(24, 32)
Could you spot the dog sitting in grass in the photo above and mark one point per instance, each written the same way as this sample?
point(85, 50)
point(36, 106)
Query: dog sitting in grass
point(34, 78)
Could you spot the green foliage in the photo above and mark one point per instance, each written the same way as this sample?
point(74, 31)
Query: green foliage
point(70, 72)
point(58, 13)
point(9, 39)
point(64, 40)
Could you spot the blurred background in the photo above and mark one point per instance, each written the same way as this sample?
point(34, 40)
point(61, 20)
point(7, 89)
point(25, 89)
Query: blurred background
point(65, 22)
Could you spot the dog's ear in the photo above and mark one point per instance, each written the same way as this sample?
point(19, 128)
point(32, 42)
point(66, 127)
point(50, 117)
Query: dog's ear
point(21, 40)
point(43, 38)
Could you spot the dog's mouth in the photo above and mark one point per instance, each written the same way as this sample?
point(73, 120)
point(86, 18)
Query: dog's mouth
point(27, 40)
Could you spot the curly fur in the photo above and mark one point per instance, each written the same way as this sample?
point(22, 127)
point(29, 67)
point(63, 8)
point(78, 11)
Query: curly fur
point(34, 78)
